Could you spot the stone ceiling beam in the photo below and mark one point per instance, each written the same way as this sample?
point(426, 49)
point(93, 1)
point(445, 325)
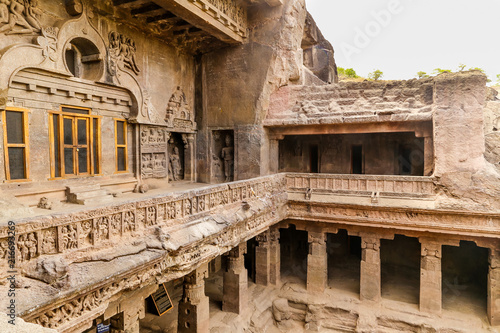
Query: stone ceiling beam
point(187, 10)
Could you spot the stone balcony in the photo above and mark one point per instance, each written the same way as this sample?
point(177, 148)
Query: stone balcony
point(133, 243)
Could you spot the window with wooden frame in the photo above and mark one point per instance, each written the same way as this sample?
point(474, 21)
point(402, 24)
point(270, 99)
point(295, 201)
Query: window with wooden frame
point(75, 142)
point(121, 154)
point(16, 144)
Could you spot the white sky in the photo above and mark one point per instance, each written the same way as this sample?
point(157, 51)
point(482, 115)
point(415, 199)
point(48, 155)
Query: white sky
point(411, 35)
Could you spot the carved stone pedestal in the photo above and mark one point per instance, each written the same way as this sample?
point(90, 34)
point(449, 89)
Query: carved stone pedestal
point(194, 306)
point(317, 264)
point(430, 277)
point(494, 288)
point(235, 287)
point(370, 278)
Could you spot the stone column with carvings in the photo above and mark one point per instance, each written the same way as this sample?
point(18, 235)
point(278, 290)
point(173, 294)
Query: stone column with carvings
point(428, 155)
point(430, 277)
point(494, 287)
point(274, 257)
point(189, 158)
point(235, 287)
point(194, 305)
point(317, 262)
point(370, 276)
point(262, 258)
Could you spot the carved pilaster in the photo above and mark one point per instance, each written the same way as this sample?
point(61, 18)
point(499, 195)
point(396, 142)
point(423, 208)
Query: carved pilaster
point(262, 259)
point(370, 279)
point(275, 257)
point(430, 277)
point(317, 266)
point(235, 288)
point(194, 306)
point(494, 287)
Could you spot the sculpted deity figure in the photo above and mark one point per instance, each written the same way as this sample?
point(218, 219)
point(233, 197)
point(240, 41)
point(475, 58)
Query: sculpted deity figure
point(23, 13)
point(175, 164)
point(228, 157)
point(122, 49)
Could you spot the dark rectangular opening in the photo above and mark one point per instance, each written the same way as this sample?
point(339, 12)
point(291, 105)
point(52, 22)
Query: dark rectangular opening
point(357, 160)
point(314, 162)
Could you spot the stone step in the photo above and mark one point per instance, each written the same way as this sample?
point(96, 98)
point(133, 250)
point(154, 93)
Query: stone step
point(95, 200)
point(83, 188)
point(90, 194)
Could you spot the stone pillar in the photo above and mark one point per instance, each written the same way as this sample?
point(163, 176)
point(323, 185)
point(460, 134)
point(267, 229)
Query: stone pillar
point(235, 287)
point(430, 277)
point(428, 156)
point(262, 259)
point(494, 288)
point(317, 262)
point(274, 153)
point(194, 305)
point(370, 279)
point(189, 158)
point(275, 257)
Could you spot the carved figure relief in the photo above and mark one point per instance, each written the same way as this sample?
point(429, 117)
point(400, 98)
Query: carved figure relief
point(228, 157)
point(122, 51)
point(19, 17)
point(49, 237)
point(27, 246)
point(153, 152)
point(178, 114)
point(69, 237)
point(176, 157)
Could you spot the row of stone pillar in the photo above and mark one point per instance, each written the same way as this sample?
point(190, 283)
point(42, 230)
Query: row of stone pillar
point(194, 306)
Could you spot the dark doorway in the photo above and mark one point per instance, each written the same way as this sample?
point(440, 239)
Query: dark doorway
point(344, 256)
point(314, 162)
point(357, 160)
point(294, 250)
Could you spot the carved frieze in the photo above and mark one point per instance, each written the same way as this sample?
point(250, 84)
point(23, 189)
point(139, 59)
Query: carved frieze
point(20, 17)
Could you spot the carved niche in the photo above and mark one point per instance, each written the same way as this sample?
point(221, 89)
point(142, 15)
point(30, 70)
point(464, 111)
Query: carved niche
point(154, 152)
point(176, 157)
point(179, 114)
point(223, 155)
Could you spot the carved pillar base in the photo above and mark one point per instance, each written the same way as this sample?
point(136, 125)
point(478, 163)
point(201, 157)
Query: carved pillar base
point(317, 264)
point(194, 306)
point(370, 277)
point(275, 257)
point(235, 288)
point(430, 277)
point(494, 288)
point(262, 259)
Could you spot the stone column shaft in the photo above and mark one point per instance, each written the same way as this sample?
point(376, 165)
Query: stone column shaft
point(428, 156)
point(262, 259)
point(317, 262)
point(194, 305)
point(494, 288)
point(430, 278)
point(235, 287)
point(275, 257)
point(370, 279)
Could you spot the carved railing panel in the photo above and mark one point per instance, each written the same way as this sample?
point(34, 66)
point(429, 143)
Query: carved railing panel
point(324, 183)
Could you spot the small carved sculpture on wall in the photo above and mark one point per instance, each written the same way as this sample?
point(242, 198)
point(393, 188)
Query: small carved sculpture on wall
point(19, 13)
point(122, 51)
point(228, 157)
point(178, 113)
point(44, 203)
point(175, 164)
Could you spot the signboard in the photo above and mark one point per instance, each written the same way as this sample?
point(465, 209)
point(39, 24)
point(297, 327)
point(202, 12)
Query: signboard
point(162, 300)
point(101, 328)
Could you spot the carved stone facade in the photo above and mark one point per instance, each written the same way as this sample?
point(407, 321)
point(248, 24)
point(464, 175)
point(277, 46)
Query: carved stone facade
point(154, 163)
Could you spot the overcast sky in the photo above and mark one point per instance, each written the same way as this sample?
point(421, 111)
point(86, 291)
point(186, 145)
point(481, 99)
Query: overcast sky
point(402, 37)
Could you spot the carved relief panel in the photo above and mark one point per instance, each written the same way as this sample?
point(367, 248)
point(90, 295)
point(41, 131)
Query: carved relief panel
point(222, 156)
point(179, 114)
point(153, 152)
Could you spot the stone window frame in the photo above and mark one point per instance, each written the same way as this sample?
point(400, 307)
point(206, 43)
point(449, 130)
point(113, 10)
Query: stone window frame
point(124, 145)
point(24, 145)
point(94, 134)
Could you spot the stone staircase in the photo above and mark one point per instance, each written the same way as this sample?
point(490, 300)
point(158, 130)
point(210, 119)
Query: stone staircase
point(88, 194)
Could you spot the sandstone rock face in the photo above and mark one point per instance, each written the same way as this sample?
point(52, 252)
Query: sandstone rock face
point(20, 326)
point(53, 271)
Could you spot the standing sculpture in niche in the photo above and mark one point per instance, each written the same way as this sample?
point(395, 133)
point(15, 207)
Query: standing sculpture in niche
point(228, 157)
point(175, 164)
point(22, 13)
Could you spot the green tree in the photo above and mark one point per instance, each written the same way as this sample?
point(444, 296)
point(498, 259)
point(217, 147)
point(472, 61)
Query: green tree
point(351, 73)
point(498, 78)
point(461, 67)
point(376, 75)
point(422, 75)
point(340, 71)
